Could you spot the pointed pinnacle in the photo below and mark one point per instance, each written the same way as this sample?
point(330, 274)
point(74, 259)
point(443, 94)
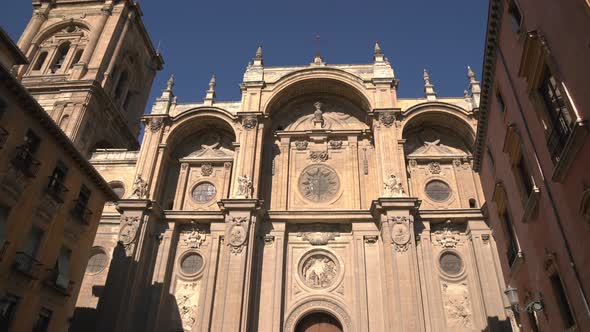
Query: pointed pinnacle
point(470, 73)
point(426, 77)
point(377, 48)
point(212, 82)
point(259, 52)
point(170, 82)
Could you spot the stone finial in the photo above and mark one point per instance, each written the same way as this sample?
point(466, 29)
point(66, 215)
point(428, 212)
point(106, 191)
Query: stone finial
point(210, 96)
point(377, 50)
point(257, 61)
point(474, 87)
point(318, 60)
point(259, 52)
point(428, 87)
point(170, 83)
point(378, 53)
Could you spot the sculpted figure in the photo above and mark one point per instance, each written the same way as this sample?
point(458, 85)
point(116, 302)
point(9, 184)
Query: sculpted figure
point(139, 189)
point(394, 187)
point(244, 187)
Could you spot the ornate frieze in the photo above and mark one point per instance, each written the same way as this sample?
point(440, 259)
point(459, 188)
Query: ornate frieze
point(400, 233)
point(447, 236)
point(237, 234)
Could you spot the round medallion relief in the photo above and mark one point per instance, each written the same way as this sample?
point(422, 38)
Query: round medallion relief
point(319, 270)
point(319, 183)
point(451, 263)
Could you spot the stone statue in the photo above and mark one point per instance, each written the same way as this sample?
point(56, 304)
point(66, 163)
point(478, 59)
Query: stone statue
point(244, 187)
point(139, 189)
point(394, 187)
point(318, 115)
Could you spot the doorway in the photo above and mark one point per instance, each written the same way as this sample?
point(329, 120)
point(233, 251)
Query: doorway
point(318, 322)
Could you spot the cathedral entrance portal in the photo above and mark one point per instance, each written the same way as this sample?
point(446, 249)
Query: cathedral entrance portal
point(318, 322)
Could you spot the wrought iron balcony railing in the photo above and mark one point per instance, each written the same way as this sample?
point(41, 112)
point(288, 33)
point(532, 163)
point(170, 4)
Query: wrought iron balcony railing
point(81, 212)
point(23, 161)
point(26, 264)
point(59, 282)
point(56, 189)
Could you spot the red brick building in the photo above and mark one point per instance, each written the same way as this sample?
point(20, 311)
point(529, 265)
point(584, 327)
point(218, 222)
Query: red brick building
point(533, 154)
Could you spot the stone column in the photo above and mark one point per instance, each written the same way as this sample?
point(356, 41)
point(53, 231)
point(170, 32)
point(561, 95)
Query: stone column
point(107, 77)
point(129, 271)
point(395, 217)
point(81, 67)
point(232, 298)
point(39, 17)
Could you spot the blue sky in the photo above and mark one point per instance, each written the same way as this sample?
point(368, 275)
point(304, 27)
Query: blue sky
point(199, 38)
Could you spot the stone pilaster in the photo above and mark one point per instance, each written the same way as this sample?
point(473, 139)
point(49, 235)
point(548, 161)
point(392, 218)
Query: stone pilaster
point(233, 294)
point(395, 218)
point(81, 67)
point(129, 272)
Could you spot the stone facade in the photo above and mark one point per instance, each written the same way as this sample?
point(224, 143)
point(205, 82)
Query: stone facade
point(320, 191)
point(533, 151)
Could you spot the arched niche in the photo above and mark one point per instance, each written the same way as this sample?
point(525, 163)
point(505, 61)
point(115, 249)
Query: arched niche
point(201, 152)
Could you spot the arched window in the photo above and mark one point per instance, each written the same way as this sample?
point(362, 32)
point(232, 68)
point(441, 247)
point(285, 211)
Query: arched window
point(40, 61)
point(121, 85)
point(472, 203)
point(77, 57)
point(60, 57)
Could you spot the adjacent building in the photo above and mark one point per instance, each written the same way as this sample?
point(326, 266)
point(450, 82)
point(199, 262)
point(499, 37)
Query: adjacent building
point(51, 200)
point(533, 151)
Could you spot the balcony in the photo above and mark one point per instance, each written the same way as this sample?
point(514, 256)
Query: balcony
point(58, 282)
point(3, 136)
point(24, 162)
point(27, 265)
point(81, 213)
point(56, 189)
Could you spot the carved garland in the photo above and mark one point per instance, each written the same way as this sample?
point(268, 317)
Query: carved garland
point(318, 156)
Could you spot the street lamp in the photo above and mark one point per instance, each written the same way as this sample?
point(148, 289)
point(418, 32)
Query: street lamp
point(512, 295)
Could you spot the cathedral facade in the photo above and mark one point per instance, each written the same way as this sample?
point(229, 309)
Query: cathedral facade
point(319, 200)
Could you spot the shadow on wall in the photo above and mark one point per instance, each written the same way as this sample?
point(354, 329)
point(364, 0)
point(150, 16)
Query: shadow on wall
point(87, 319)
point(497, 325)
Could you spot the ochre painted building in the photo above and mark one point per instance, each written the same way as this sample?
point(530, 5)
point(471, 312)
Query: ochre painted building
point(51, 201)
point(533, 151)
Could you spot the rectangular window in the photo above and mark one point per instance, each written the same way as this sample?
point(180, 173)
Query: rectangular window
point(81, 210)
point(32, 142)
point(4, 212)
point(25, 259)
point(560, 118)
point(63, 268)
point(8, 306)
point(512, 252)
point(56, 185)
point(525, 177)
point(43, 320)
point(562, 302)
point(491, 157)
point(515, 16)
point(500, 101)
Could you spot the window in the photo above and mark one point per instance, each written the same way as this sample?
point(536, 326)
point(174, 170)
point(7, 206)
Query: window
point(25, 259)
point(438, 191)
point(42, 323)
point(121, 85)
point(515, 16)
point(512, 250)
point(8, 306)
point(191, 263)
point(63, 268)
point(516, 155)
point(40, 61)
point(524, 176)
point(60, 57)
point(4, 212)
point(491, 157)
point(472, 203)
point(77, 57)
point(32, 142)
point(56, 186)
point(118, 187)
point(97, 262)
point(204, 192)
point(81, 210)
point(500, 102)
point(561, 122)
point(561, 299)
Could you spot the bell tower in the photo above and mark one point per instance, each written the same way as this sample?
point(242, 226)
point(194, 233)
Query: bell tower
point(91, 66)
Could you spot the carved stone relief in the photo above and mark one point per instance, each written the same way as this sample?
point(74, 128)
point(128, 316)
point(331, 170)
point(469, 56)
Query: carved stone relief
point(187, 298)
point(457, 304)
point(319, 270)
point(193, 237)
point(394, 187)
point(301, 145)
point(387, 119)
point(335, 145)
point(400, 233)
point(319, 183)
point(249, 123)
point(318, 238)
point(446, 236)
point(128, 232)
point(434, 168)
point(140, 188)
point(245, 187)
point(237, 234)
point(206, 169)
point(155, 124)
point(318, 156)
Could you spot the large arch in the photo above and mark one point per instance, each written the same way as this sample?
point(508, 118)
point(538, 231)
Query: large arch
point(318, 304)
point(50, 30)
point(190, 121)
point(326, 80)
